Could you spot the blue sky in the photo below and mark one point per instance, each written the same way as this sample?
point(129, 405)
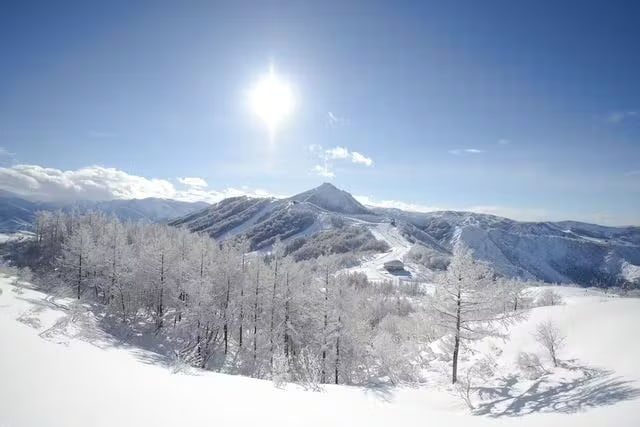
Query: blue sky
point(524, 109)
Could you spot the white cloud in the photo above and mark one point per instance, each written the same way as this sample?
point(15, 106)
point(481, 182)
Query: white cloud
point(361, 159)
point(504, 141)
point(193, 182)
point(323, 171)
point(618, 116)
point(336, 153)
point(461, 151)
point(396, 204)
point(632, 173)
point(102, 183)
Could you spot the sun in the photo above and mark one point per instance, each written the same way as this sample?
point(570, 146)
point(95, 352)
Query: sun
point(272, 100)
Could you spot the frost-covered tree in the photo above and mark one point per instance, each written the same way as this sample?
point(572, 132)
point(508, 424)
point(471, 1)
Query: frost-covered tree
point(468, 302)
point(549, 336)
point(75, 253)
point(220, 306)
point(549, 297)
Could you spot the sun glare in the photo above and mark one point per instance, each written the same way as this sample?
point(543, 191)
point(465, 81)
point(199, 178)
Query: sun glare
point(272, 100)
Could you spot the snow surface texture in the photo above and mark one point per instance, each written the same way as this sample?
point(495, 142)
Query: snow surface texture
point(57, 368)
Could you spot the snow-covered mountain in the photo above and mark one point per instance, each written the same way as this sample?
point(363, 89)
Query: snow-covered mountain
point(297, 220)
point(565, 251)
point(332, 199)
point(17, 213)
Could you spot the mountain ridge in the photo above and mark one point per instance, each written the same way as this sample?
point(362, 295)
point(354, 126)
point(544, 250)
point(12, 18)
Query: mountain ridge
point(564, 251)
point(18, 213)
point(327, 220)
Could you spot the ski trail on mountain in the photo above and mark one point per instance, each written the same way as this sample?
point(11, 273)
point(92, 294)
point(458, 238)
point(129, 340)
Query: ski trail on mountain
point(374, 266)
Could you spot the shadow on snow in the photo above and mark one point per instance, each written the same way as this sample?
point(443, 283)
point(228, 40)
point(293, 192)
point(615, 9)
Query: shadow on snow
point(588, 388)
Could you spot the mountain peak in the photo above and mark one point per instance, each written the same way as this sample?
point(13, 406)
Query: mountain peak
point(327, 185)
point(327, 196)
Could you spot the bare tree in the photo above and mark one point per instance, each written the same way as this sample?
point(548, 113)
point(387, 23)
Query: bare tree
point(549, 297)
point(549, 336)
point(469, 303)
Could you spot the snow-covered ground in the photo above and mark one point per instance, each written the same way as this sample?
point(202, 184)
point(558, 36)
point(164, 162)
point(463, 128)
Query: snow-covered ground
point(58, 369)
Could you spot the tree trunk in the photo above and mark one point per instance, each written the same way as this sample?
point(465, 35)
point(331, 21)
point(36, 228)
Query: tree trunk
point(241, 314)
point(273, 308)
point(160, 308)
point(226, 316)
point(324, 329)
point(286, 319)
point(255, 320)
point(79, 272)
point(337, 355)
point(241, 301)
point(456, 344)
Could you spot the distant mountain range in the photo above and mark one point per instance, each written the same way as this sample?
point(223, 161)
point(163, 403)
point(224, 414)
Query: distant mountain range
point(328, 220)
point(17, 213)
point(565, 251)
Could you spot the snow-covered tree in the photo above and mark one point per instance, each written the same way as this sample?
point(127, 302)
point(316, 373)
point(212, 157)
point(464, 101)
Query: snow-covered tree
point(549, 336)
point(468, 302)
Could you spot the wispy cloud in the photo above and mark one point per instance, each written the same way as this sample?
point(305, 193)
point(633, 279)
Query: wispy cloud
point(333, 119)
point(192, 181)
point(463, 151)
point(619, 116)
point(396, 204)
point(504, 141)
point(323, 171)
point(327, 157)
point(632, 173)
point(103, 183)
point(337, 153)
point(6, 153)
point(6, 157)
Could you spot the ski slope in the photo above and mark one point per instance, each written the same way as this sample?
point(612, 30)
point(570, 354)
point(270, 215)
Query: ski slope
point(373, 267)
point(58, 369)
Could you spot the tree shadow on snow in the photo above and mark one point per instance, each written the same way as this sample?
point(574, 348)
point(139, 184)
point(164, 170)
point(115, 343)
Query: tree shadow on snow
point(587, 388)
point(89, 322)
point(384, 392)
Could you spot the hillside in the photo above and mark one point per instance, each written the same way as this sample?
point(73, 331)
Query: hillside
point(565, 252)
point(327, 220)
point(52, 338)
point(292, 220)
point(17, 213)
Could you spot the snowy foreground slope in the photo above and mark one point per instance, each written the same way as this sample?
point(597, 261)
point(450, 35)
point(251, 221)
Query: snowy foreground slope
point(58, 369)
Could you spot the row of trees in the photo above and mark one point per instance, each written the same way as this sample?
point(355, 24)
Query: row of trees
point(267, 316)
